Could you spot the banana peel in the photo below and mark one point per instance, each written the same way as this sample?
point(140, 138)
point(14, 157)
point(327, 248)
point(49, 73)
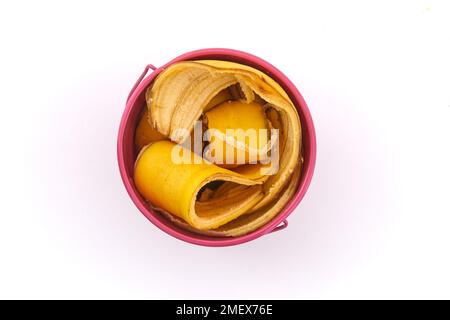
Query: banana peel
point(236, 145)
point(247, 197)
point(178, 184)
point(145, 133)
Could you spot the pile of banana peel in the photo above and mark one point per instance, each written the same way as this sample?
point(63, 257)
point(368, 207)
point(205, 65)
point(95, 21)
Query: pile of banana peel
point(208, 194)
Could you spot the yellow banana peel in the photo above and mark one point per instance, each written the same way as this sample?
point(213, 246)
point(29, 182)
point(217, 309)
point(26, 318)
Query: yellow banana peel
point(206, 194)
point(145, 133)
point(230, 143)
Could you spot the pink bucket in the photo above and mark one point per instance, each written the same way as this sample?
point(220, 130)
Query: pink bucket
point(126, 153)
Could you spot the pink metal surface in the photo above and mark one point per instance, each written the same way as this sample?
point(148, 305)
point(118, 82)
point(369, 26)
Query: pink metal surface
point(126, 153)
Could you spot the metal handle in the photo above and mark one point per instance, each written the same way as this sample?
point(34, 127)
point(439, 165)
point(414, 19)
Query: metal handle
point(282, 226)
point(144, 73)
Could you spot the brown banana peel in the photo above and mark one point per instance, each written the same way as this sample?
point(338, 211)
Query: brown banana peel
point(247, 197)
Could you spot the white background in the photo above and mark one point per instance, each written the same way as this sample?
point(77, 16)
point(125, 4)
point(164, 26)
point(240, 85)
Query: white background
point(375, 222)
